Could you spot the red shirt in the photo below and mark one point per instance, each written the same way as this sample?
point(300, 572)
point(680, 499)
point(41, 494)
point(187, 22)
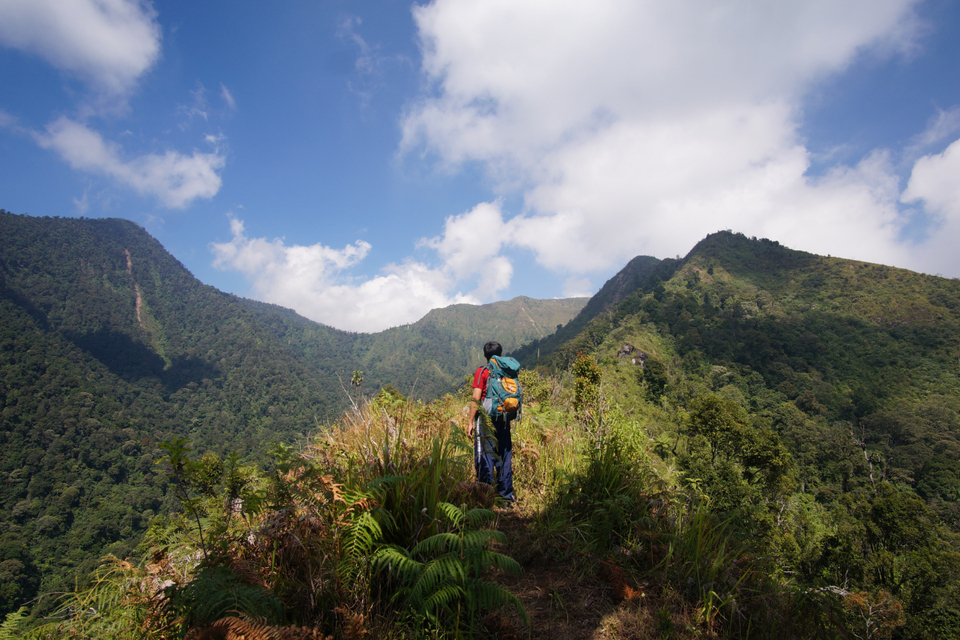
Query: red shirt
point(480, 377)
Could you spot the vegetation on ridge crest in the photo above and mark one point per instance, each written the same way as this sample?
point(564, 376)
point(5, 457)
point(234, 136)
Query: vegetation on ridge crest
point(685, 521)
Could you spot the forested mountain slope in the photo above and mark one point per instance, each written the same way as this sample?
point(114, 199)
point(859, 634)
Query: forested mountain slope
point(640, 273)
point(835, 354)
point(431, 356)
point(108, 346)
point(455, 335)
point(812, 402)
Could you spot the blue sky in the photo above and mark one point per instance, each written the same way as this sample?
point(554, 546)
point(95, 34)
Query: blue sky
point(365, 161)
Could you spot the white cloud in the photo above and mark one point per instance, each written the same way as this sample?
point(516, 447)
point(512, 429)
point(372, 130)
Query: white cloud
point(173, 178)
point(107, 43)
point(196, 110)
point(227, 98)
point(638, 127)
point(944, 125)
point(81, 204)
point(313, 281)
point(370, 67)
point(469, 248)
point(935, 182)
point(347, 30)
point(578, 288)
point(200, 107)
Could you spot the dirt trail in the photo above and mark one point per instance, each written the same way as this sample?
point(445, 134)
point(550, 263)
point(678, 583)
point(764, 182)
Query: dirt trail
point(563, 597)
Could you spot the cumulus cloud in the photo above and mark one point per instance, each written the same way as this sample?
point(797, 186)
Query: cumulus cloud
point(639, 127)
point(173, 178)
point(469, 247)
point(315, 281)
point(934, 180)
point(107, 43)
point(934, 183)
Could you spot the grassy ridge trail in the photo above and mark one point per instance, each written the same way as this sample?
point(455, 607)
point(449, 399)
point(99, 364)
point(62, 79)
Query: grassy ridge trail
point(573, 595)
point(563, 601)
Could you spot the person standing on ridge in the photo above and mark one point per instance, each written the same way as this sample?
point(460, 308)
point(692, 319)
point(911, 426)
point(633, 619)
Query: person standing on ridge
point(497, 391)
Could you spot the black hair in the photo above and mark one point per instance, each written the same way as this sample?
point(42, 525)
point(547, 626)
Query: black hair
point(492, 349)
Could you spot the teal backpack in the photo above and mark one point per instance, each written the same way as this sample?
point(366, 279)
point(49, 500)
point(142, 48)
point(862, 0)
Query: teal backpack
point(504, 397)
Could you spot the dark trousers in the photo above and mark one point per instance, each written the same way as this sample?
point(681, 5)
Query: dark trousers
point(493, 454)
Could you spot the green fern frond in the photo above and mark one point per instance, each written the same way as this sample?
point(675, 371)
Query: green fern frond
point(503, 563)
point(105, 609)
point(396, 560)
point(361, 536)
point(382, 483)
point(438, 573)
point(214, 591)
point(438, 543)
point(15, 624)
point(490, 595)
point(479, 539)
point(443, 598)
point(440, 576)
point(478, 516)
point(444, 569)
point(453, 513)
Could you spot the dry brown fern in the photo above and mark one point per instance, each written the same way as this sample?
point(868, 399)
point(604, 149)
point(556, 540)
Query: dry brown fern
point(354, 624)
point(299, 553)
point(619, 580)
point(249, 628)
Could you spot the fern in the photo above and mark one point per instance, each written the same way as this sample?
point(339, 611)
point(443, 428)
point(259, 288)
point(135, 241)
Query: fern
point(15, 624)
point(111, 607)
point(442, 598)
point(214, 591)
point(252, 628)
point(442, 577)
point(361, 536)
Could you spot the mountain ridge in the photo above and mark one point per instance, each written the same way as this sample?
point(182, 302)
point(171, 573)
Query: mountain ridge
point(109, 346)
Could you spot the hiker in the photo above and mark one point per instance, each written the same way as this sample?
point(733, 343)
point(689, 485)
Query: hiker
point(496, 390)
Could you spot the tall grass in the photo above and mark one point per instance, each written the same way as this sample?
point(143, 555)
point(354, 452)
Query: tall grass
point(384, 477)
point(413, 460)
point(546, 449)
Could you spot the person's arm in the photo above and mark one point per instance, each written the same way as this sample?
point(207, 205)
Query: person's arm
point(474, 403)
